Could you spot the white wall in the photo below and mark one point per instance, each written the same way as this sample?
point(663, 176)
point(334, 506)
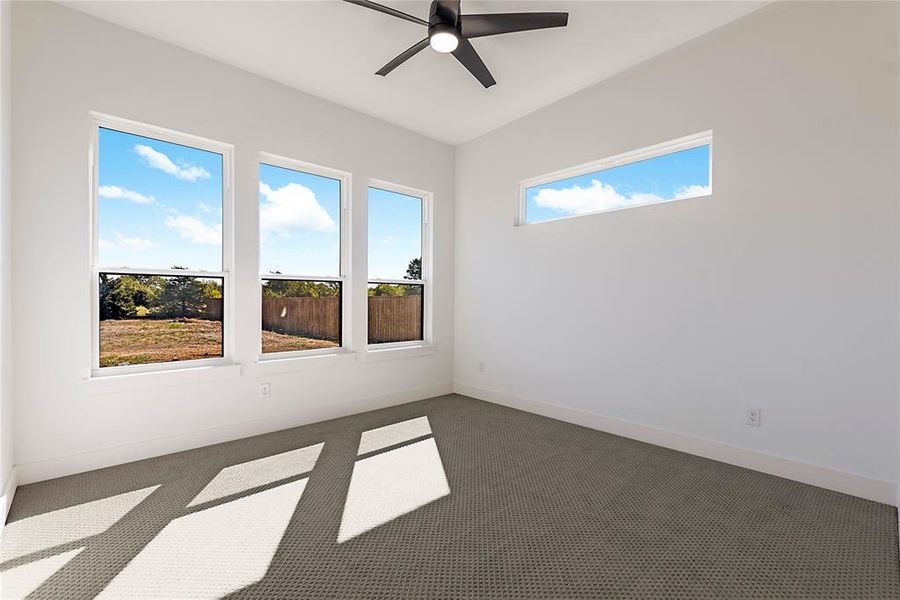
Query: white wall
point(6, 399)
point(778, 292)
point(66, 64)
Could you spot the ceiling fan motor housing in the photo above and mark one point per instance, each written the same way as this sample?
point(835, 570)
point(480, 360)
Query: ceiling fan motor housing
point(442, 19)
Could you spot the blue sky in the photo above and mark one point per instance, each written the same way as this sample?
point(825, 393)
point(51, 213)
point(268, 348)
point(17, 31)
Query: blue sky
point(160, 204)
point(299, 222)
point(668, 177)
point(395, 233)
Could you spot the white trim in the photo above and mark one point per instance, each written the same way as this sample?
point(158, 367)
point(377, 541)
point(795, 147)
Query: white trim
point(163, 367)
point(345, 244)
point(9, 492)
point(427, 280)
point(825, 477)
point(226, 151)
point(704, 138)
point(396, 281)
point(379, 352)
point(106, 457)
point(162, 272)
point(130, 381)
point(291, 362)
point(159, 133)
point(283, 277)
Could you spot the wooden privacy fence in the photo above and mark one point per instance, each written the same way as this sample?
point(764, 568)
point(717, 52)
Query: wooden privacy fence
point(391, 318)
point(213, 309)
point(310, 317)
point(395, 319)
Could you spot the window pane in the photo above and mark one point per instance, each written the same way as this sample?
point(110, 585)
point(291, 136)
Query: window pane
point(395, 312)
point(159, 204)
point(152, 319)
point(395, 235)
point(683, 174)
point(300, 315)
point(299, 222)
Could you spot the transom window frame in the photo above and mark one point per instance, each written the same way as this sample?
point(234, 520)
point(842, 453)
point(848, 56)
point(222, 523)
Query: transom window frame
point(704, 138)
point(427, 281)
point(104, 121)
point(345, 248)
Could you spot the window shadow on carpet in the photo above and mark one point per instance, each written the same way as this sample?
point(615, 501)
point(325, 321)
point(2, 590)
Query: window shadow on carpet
point(213, 528)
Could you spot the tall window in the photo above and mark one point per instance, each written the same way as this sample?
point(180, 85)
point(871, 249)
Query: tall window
point(674, 170)
point(398, 265)
point(302, 256)
point(160, 247)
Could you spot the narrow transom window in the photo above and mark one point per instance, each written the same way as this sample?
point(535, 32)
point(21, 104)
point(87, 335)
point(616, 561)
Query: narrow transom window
point(674, 170)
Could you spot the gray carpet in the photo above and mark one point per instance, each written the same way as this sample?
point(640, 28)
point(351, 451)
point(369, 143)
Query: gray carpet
point(536, 508)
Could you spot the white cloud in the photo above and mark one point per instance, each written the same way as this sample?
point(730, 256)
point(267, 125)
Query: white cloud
point(194, 229)
point(158, 160)
point(209, 209)
point(137, 244)
point(133, 243)
point(114, 192)
point(692, 191)
point(390, 241)
point(601, 196)
point(292, 207)
point(577, 200)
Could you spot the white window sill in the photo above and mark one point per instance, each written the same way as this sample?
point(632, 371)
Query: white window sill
point(274, 365)
point(128, 382)
point(376, 352)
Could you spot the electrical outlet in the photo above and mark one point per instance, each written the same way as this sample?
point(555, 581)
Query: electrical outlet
point(480, 367)
point(265, 390)
point(754, 417)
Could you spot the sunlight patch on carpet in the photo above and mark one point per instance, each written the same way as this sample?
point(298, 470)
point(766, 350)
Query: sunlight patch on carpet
point(269, 469)
point(389, 485)
point(390, 435)
point(65, 525)
point(212, 552)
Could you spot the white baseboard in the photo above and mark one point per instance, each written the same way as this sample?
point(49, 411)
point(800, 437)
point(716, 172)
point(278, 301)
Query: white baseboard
point(107, 457)
point(9, 490)
point(839, 481)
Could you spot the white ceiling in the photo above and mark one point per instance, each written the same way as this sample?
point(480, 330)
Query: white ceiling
point(332, 49)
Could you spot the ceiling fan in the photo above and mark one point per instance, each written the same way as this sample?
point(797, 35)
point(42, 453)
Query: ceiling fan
point(449, 32)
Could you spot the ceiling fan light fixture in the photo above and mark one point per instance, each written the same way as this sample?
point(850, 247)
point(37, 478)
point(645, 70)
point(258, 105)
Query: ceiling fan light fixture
point(443, 39)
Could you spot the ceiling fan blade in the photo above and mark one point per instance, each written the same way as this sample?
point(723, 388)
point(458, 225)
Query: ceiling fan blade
point(465, 53)
point(482, 25)
point(388, 11)
point(403, 57)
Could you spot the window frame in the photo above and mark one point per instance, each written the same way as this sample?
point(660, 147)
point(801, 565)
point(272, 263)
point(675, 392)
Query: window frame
point(427, 281)
point(704, 138)
point(128, 126)
point(345, 247)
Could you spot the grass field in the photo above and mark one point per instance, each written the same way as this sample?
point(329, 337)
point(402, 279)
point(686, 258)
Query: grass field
point(142, 341)
point(282, 342)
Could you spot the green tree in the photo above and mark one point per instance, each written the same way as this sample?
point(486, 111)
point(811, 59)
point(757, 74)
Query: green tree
point(292, 288)
point(388, 289)
point(182, 297)
point(114, 304)
point(414, 269)
point(211, 289)
point(121, 296)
